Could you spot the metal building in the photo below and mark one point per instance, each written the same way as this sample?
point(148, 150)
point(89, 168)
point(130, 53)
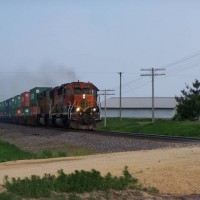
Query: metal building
point(139, 107)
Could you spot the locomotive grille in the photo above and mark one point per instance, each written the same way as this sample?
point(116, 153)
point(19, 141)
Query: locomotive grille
point(84, 104)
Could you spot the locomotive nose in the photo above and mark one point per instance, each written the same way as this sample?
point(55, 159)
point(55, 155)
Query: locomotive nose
point(86, 120)
point(84, 103)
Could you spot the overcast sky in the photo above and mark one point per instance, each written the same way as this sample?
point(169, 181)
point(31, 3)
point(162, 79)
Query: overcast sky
point(50, 42)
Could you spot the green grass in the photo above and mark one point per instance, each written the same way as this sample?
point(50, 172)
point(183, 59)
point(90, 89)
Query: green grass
point(162, 127)
point(77, 182)
point(9, 196)
point(10, 152)
point(66, 151)
point(2, 133)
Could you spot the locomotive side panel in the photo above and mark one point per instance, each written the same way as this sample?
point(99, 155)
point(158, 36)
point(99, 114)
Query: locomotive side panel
point(44, 102)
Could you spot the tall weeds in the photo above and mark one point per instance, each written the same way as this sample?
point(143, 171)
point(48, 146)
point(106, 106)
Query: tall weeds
point(77, 182)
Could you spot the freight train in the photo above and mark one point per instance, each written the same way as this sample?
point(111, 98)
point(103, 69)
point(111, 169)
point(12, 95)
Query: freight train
point(71, 105)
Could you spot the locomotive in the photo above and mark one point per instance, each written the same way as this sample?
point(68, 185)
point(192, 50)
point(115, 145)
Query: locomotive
point(71, 105)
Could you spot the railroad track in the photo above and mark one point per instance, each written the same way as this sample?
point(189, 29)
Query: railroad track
point(98, 141)
point(126, 134)
point(136, 135)
point(149, 136)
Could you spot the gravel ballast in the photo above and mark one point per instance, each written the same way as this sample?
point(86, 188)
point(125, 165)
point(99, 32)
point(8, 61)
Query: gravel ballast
point(35, 138)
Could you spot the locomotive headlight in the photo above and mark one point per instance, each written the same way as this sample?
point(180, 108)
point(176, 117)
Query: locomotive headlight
point(77, 109)
point(94, 109)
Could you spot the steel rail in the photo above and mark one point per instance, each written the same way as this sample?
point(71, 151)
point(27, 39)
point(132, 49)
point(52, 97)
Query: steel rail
point(149, 136)
point(125, 134)
point(130, 134)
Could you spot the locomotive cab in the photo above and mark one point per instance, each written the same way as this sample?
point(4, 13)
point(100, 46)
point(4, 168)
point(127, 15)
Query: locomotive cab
point(84, 112)
point(74, 105)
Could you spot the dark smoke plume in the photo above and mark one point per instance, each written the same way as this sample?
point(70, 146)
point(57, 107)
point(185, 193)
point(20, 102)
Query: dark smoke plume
point(23, 79)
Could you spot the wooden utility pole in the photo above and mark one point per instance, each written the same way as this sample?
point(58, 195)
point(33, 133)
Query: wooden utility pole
point(120, 96)
point(105, 93)
point(153, 74)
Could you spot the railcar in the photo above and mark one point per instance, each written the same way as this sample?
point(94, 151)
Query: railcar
point(71, 105)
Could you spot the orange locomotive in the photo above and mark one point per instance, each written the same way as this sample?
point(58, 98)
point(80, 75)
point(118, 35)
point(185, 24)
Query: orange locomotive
point(70, 105)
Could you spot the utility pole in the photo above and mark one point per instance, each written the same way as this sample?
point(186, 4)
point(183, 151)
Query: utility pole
point(153, 74)
point(105, 93)
point(120, 96)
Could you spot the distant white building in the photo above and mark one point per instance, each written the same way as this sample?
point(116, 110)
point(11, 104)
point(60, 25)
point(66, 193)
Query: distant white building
point(139, 107)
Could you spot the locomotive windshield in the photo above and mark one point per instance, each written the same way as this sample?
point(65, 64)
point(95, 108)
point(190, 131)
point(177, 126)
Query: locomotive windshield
point(85, 91)
point(77, 91)
point(94, 92)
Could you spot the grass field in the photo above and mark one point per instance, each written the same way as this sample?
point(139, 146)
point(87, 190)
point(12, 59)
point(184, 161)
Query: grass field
point(162, 127)
point(9, 152)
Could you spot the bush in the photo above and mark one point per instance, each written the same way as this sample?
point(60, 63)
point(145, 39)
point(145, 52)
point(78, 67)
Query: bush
point(9, 196)
point(77, 182)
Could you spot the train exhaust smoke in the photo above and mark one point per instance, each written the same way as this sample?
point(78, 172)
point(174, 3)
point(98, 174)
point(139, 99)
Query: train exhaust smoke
point(24, 78)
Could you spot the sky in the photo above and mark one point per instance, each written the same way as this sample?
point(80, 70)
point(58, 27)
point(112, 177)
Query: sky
point(51, 42)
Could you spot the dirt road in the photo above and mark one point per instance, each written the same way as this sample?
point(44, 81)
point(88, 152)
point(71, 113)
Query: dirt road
point(172, 171)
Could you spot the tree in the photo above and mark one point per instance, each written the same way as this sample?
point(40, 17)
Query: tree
point(188, 106)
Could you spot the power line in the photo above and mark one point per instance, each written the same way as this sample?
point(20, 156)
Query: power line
point(139, 86)
point(131, 82)
point(182, 60)
point(187, 63)
point(127, 84)
point(188, 66)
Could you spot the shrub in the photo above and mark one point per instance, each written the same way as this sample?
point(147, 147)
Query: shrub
point(77, 182)
point(9, 196)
